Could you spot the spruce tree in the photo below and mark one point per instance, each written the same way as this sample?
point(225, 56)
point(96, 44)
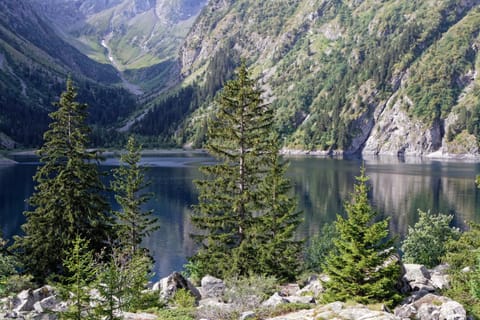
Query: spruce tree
point(133, 223)
point(235, 201)
point(68, 199)
point(361, 267)
point(81, 269)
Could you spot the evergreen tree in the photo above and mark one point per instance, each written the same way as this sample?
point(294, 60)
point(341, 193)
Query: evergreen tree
point(81, 269)
point(134, 224)
point(68, 198)
point(238, 210)
point(361, 267)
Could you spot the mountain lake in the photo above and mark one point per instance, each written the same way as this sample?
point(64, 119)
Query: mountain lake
point(399, 187)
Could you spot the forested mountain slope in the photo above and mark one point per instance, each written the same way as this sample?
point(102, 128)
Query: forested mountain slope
point(388, 77)
point(34, 64)
point(142, 36)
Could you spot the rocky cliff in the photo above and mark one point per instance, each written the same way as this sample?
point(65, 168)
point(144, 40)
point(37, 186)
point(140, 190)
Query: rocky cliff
point(378, 77)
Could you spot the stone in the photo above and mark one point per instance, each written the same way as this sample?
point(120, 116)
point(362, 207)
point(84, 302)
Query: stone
point(300, 299)
point(313, 287)
point(248, 315)
point(24, 301)
point(431, 307)
point(274, 301)
point(439, 277)
point(418, 278)
point(289, 289)
point(212, 287)
point(168, 286)
point(138, 316)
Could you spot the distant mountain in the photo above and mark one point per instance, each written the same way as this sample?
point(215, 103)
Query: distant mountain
point(139, 34)
point(378, 77)
point(34, 64)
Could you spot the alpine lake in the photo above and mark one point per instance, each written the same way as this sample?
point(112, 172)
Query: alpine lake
point(398, 188)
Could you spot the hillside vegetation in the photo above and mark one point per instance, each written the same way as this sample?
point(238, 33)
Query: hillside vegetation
point(395, 77)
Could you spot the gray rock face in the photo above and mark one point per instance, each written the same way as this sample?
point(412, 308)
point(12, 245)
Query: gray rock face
point(395, 133)
point(212, 287)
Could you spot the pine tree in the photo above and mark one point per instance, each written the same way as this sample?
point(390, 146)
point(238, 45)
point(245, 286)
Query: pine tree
point(81, 269)
point(134, 224)
point(68, 198)
point(235, 201)
point(361, 267)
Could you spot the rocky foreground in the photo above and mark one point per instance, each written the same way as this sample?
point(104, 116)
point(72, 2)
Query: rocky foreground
point(421, 286)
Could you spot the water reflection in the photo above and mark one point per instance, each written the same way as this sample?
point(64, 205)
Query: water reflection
point(321, 186)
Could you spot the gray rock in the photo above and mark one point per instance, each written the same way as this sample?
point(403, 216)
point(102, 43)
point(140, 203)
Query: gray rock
point(418, 278)
point(212, 287)
point(431, 307)
point(138, 316)
point(274, 301)
point(248, 315)
point(439, 277)
point(313, 287)
point(168, 286)
point(300, 299)
point(49, 303)
point(24, 301)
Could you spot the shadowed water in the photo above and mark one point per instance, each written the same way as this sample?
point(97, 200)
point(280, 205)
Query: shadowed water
point(398, 189)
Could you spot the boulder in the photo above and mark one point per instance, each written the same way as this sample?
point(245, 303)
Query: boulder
point(138, 316)
point(49, 303)
point(339, 310)
point(212, 287)
point(24, 301)
point(300, 299)
point(439, 277)
point(168, 286)
point(274, 301)
point(313, 287)
point(418, 278)
point(431, 307)
point(248, 315)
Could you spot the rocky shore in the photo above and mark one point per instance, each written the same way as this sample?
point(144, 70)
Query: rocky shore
point(421, 287)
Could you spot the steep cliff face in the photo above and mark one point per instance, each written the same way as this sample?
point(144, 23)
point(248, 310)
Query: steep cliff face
point(382, 77)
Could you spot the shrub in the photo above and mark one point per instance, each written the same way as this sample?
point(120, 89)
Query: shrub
point(183, 299)
point(426, 240)
point(247, 293)
point(319, 248)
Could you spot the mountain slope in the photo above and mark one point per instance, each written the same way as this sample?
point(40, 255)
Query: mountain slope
point(382, 77)
point(138, 34)
point(34, 63)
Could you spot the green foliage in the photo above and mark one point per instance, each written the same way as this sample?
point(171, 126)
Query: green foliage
point(80, 269)
point(361, 267)
point(122, 278)
point(133, 224)
point(248, 292)
point(463, 253)
point(475, 279)
point(68, 200)
point(320, 247)
point(183, 299)
point(10, 281)
point(425, 243)
point(176, 314)
point(245, 216)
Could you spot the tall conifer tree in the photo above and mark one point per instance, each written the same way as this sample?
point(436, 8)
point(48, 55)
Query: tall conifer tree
point(235, 201)
point(361, 267)
point(129, 181)
point(68, 200)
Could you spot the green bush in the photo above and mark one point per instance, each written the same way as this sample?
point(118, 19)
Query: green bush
point(247, 293)
point(426, 241)
point(183, 299)
point(463, 253)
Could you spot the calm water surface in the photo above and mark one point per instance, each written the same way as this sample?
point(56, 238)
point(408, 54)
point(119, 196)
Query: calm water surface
point(398, 189)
